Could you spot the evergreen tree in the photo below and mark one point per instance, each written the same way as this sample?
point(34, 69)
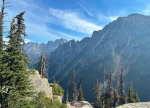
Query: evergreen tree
point(111, 91)
point(74, 91)
point(1, 25)
point(103, 89)
point(136, 98)
point(130, 94)
point(98, 94)
point(1, 38)
point(133, 96)
point(81, 95)
point(67, 97)
point(123, 97)
point(55, 88)
point(15, 75)
point(60, 90)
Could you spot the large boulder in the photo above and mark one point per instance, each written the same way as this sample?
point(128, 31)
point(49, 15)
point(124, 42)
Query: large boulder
point(81, 104)
point(41, 84)
point(136, 105)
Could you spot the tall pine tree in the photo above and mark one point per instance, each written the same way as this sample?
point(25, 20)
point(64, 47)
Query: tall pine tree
point(130, 94)
point(98, 94)
point(1, 38)
point(74, 91)
point(123, 97)
point(111, 90)
point(81, 95)
point(136, 97)
point(67, 97)
point(1, 24)
point(15, 75)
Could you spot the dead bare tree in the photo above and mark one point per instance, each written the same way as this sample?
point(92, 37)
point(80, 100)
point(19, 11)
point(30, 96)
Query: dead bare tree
point(111, 90)
point(43, 65)
point(123, 97)
point(103, 89)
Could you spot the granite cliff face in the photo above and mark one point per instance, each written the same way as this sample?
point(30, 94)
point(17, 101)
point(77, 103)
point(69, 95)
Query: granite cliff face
point(41, 85)
point(81, 104)
point(136, 105)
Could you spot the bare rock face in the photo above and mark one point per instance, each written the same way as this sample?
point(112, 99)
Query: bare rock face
point(59, 98)
point(136, 105)
point(41, 85)
point(82, 104)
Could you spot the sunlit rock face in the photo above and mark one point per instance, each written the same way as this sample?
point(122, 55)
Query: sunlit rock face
point(136, 105)
point(41, 85)
point(82, 104)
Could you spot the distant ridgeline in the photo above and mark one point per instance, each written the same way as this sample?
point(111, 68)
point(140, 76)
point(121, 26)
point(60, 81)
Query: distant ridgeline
point(124, 42)
point(34, 50)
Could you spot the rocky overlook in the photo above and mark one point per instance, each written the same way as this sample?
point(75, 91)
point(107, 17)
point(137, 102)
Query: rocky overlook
point(136, 105)
point(41, 85)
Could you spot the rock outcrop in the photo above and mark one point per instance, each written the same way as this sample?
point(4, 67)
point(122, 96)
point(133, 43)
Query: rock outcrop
point(136, 105)
point(59, 98)
point(82, 104)
point(41, 85)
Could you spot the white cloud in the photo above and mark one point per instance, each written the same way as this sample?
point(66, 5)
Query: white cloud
point(27, 40)
point(41, 31)
point(112, 18)
point(37, 20)
point(146, 11)
point(72, 21)
point(104, 18)
point(87, 10)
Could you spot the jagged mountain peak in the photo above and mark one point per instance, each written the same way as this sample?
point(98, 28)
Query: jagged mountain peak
point(35, 49)
point(123, 42)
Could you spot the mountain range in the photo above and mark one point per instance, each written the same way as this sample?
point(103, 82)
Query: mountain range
point(34, 50)
point(124, 42)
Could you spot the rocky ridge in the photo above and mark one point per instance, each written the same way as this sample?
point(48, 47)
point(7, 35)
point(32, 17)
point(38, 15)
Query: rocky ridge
point(81, 104)
point(136, 105)
point(41, 85)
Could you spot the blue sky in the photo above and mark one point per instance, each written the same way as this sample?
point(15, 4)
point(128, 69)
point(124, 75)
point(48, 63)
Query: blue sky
point(71, 19)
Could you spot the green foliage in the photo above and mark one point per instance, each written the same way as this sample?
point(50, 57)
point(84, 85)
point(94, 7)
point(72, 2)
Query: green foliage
point(81, 95)
point(136, 98)
point(132, 96)
point(32, 71)
point(67, 97)
point(15, 83)
point(98, 94)
point(44, 102)
point(60, 91)
point(57, 89)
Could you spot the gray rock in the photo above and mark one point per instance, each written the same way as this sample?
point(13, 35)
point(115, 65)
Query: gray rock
point(81, 104)
point(41, 85)
point(136, 105)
